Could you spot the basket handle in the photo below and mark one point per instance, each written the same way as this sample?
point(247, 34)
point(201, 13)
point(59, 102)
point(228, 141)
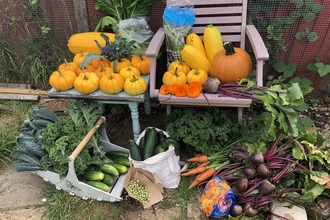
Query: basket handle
point(89, 135)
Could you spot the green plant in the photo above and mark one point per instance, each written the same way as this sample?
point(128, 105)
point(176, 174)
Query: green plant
point(184, 196)
point(275, 27)
point(319, 67)
point(60, 205)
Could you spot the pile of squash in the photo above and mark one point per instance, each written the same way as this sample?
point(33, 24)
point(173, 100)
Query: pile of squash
point(99, 73)
point(209, 59)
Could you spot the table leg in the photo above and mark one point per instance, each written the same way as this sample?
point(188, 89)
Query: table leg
point(135, 119)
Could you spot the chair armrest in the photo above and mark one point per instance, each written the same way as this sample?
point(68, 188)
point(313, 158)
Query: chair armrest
point(155, 43)
point(258, 45)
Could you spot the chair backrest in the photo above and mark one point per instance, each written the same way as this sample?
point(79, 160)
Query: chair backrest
point(228, 15)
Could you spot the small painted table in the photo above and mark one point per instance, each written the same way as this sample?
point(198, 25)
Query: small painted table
point(120, 98)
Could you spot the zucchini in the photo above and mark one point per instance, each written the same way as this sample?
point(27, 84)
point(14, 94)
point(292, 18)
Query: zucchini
point(142, 143)
point(121, 168)
point(109, 169)
point(99, 185)
point(151, 142)
point(110, 154)
point(135, 151)
point(108, 179)
point(93, 175)
point(168, 141)
point(161, 136)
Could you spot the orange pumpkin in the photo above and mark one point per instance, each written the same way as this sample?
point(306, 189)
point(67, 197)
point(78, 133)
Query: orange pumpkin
point(79, 57)
point(112, 83)
point(117, 65)
point(62, 81)
point(142, 63)
point(96, 63)
point(174, 76)
point(127, 72)
point(101, 71)
point(68, 66)
point(86, 82)
point(231, 64)
point(197, 75)
point(181, 65)
point(87, 68)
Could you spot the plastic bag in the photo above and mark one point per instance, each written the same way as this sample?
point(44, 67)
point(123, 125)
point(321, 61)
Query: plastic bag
point(217, 199)
point(178, 19)
point(136, 29)
point(165, 166)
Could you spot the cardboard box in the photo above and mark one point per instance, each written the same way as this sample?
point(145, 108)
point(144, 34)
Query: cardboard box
point(153, 184)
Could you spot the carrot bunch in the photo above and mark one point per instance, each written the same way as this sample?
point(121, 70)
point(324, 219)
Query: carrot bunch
point(206, 167)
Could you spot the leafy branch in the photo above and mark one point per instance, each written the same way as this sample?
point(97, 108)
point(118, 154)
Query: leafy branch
point(281, 104)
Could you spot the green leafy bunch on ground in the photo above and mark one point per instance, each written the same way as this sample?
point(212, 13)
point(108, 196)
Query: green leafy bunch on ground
point(208, 129)
point(61, 138)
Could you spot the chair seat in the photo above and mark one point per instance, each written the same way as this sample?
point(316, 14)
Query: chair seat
point(204, 99)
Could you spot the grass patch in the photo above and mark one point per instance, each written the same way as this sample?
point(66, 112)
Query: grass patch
point(60, 205)
point(184, 196)
point(12, 114)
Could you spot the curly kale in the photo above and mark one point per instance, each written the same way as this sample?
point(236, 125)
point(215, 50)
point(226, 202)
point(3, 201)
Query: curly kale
point(207, 130)
point(61, 138)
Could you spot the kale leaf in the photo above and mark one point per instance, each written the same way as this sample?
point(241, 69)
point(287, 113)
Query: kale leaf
point(208, 129)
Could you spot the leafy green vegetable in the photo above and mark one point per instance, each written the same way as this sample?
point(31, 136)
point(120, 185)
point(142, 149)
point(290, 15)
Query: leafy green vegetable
point(117, 10)
point(208, 130)
point(62, 137)
point(27, 156)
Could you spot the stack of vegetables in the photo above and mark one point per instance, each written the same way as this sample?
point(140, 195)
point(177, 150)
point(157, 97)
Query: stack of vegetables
point(289, 169)
point(105, 176)
point(113, 71)
point(207, 63)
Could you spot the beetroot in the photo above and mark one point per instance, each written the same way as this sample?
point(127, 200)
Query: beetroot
point(263, 171)
point(248, 210)
point(257, 157)
point(242, 184)
point(237, 210)
point(211, 85)
point(266, 188)
point(249, 172)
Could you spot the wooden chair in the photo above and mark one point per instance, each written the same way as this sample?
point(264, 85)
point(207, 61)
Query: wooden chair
point(230, 17)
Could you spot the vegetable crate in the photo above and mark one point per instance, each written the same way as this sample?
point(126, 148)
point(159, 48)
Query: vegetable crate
point(74, 187)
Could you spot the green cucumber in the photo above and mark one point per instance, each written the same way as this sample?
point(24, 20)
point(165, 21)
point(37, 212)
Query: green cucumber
point(93, 175)
point(108, 179)
point(99, 185)
point(121, 168)
point(168, 141)
point(109, 169)
point(111, 154)
point(151, 142)
point(142, 143)
point(122, 160)
point(135, 151)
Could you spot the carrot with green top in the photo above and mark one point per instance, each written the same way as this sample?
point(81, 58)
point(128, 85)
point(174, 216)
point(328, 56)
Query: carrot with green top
point(203, 177)
point(199, 158)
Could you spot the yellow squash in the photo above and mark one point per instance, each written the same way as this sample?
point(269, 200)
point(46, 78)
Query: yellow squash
point(194, 40)
point(85, 42)
point(193, 58)
point(212, 41)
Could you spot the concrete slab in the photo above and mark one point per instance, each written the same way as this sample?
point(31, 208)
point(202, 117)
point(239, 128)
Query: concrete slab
point(20, 189)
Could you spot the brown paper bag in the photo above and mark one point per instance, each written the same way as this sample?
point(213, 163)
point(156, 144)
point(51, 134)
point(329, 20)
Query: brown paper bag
point(153, 184)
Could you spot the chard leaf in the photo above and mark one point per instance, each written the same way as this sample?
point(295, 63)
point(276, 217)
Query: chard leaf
point(295, 95)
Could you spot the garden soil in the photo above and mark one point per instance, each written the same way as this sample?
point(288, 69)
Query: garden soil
point(20, 192)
